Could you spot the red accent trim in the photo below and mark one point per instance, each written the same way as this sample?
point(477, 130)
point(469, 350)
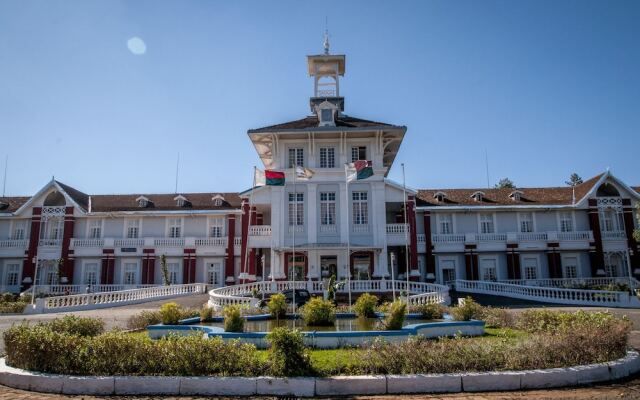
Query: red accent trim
point(555, 264)
point(252, 252)
point(513, 264)
point(413, 234)
point(471, 265)
point(189, 266)
point(431, 260)
point(108, 267)
point(594, 224)
point(28, 266)
point(244, 229)
point(229, 269)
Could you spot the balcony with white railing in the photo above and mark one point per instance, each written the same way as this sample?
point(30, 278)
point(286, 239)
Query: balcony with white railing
point(14, 244)
point(260, 230)
point(168, 242)
point(211, 242)
point(260, 235)
point(447, 238)
point(614, 235)
point(531, 236)
point(397, 234)
point(491, 237)
point(90, 243)
point(128, 242)
point(50, 242)
point(574, 236)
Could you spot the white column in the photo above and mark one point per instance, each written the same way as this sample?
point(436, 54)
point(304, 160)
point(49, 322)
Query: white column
point(312, 213)
point(381, 267)
point(344, 213)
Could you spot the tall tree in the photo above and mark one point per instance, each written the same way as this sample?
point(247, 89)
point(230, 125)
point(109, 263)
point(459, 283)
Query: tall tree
point(574, 180)
point(505, 183)
point(165, 270)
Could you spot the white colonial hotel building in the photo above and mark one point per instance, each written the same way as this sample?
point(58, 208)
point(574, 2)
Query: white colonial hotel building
point(473, 234)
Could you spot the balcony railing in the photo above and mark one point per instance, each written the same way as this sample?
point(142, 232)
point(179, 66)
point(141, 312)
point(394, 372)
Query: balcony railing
point(577, 235)
point(260, 230)
point(49, 242)
point(87, 242)
point(520, 237)
point(491, 237)
point(11, 244)
point(212, 242)
point(532, 236)
point(169, 242)
point(614, 235)
point(396, 229)
point(448, 238)
point(128, 242)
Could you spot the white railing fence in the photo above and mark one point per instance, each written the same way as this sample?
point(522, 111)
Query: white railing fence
point(419, 292)
point(57, 290)
point(89, 301)
point(572, 283)
point(554, 295)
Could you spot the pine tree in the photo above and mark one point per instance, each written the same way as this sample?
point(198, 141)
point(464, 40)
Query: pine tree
point(574, 180)
point(505, 183)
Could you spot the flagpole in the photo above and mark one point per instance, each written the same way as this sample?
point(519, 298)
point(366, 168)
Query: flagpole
point(346, 198)
point(246, 250)
point(406, 236)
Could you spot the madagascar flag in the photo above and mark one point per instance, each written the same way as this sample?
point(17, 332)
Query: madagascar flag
point(361, 169)
point(269, 177)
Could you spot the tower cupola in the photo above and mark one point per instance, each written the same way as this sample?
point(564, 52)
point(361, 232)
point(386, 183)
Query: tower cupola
point(326, 70)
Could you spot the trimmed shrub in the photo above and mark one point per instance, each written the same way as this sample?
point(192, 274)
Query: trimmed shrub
point(497, 317)
point(553, 321)
point(80, 326)
point(7, 298)
point(170, 313)
point(277, 305)
point(233, 320)
point(429, 311)
point(467, 311)
point(318, 312)
point(287, 355)
point(144, 319)
point(365, 306)
point(14, 307)
point(206, 313)
point(396, 314)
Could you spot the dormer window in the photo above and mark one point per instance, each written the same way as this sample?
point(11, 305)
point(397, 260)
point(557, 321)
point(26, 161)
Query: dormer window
point(440, 196)
point(477, 196)
point(143, 202)
point(516, 195)
point(4, 205)
point(181, 201)
point(326, 114)
point(218, 200)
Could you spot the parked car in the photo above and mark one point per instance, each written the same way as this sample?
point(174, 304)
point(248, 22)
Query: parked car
point(302, 296)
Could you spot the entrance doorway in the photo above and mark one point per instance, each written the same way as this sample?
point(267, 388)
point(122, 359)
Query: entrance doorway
point(214, 274)
point(328, 266)
point(361, 265)
point(296, 267)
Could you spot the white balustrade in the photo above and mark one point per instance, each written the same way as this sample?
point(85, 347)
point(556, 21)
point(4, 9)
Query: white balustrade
point(575, 282)
point(77, 242)
point(237, 241)
point(447, 238)
point(56, 290)
point(169, 242)
point(491, 237)
point(360, 228)
point(397, 229)
point(260, 230)
point(8, 244)
point(532, 236)
point(575, 236)
point(419, 292)
point(329, 228)
point(128, 242)
point(550, 294)
point(422, 238)
point(614, 235)
point(113, 298)
point(212, 242)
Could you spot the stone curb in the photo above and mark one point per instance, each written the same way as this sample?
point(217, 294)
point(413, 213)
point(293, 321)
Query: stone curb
point(331, 386)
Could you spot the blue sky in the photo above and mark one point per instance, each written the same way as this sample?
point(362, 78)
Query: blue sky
point(546, 87)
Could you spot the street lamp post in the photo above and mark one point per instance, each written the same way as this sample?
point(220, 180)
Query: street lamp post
point(35, 279)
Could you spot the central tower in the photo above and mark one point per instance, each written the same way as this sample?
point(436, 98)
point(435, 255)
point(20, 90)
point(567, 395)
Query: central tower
point(326, 70)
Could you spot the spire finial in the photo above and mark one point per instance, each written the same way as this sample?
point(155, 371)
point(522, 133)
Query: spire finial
point(326, 35)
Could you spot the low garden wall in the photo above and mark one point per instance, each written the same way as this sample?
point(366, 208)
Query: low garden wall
point(328, 386)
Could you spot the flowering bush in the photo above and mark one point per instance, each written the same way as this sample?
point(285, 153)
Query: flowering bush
point(277, 305)
point(318, 312)
point(429, 311)
point(233, 320)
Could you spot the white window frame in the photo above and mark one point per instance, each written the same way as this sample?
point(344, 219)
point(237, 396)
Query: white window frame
point(91, 224)
point(357, 208)
point(563, 265)
point(18, 224)
point(125, 264)
point(573, 220)
point(330, 157)
point(295, 209)
point(127, 222)
point(174, 267)
point(439, 220)
point(299, 156)
point(493, 221)
point(481, 268)
point(358, 147)
point(209, 270)
point(169, 226)
point(523, 267)
point(8, 265)
point(441, 261)
point(521, 220)
point(328, 208)
point(218, 223)
point(85, 265)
